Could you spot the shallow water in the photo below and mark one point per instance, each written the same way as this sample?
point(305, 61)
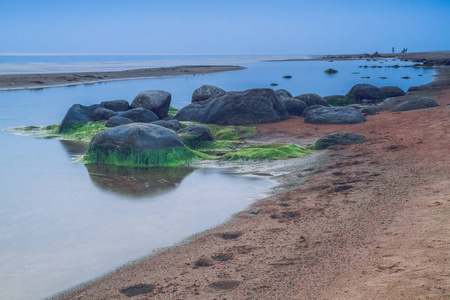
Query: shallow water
point(63, 223)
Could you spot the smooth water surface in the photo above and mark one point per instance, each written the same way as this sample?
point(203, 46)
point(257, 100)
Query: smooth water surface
point(63, 223)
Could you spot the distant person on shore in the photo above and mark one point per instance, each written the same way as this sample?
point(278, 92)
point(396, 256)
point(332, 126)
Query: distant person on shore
point(393, 49)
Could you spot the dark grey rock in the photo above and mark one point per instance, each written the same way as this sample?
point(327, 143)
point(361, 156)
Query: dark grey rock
point(365, 91)
point(117, 121)
point(205, 92)
point(140, 115)
point(116, 105)
point(339, 138)
point(155, 100)
point(392, 91)
point(139, 136)
point(418, 103)
point(312, 99)
point(294, 106)
point(283, 93)
point(307, 109)
point(102, 114)
point(171, 124)
point(334, 115)
point(77, 114)
point(236, 108)
point(201, 131)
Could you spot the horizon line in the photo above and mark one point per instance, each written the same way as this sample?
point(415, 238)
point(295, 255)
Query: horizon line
point(123, 54)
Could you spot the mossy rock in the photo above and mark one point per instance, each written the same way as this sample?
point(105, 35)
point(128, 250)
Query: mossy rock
point(231, 132)
point(267, 152)
point(331, 71)
point(339, 138)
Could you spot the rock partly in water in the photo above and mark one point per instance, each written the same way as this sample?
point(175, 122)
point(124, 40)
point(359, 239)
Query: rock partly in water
point(312, 99)
point(418, 103)
point(77, 114)
point(155, 100)
point(339, 138)
point(365, 91)
point(205, 92)
point(283, 93)
point(116, 105)
point(236, 108)
point(334, 115)
point(103, 114)
point(117, 121)
point(392, 91)
point(138, 144)
point(140, 115)
point(294, 106)
point(171, 124)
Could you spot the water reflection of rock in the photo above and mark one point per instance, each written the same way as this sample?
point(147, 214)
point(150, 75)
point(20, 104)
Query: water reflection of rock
point(74, 147)
point(137, 181)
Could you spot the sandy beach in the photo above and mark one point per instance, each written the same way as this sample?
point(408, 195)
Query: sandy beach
point(46, 80)
point(366, 221)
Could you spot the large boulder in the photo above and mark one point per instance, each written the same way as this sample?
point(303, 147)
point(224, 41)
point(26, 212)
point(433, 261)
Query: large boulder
point(117, 121)
point(334, 115)
point(138, 144)
point(205, 92)
point(77, 114)
point(236, 108)
point(312, 99)
point(155, 100)
point(365, 91)
point(116, 105)
point(283, 93)
point(294, 106)
point(140, 115)
point(338, 138)
point(392, 91)
point(171, 124)
point(307, 109)
point(102, 114)
point(200, 131)
point(418, 103)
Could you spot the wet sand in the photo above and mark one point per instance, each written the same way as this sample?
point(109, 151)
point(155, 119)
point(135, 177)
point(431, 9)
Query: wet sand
point(46, 80)
point(366, 221)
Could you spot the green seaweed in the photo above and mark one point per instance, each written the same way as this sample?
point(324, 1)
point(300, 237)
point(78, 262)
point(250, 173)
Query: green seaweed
point(331, 71)
point(172, 111)
point(231, 132)
point(100, 154)
point(321, 145)
point(267, 152)
point(82, 131)
point(339, 101)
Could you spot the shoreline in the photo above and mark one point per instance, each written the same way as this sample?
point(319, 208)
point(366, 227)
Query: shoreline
point(314, 240)
point(48, 80)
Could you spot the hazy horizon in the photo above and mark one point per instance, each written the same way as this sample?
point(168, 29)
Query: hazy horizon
point(231, 27)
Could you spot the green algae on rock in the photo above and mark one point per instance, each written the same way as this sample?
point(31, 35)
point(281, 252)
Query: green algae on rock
point(267, 152)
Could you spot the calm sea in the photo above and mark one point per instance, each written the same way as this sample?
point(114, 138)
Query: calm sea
point(63, 223)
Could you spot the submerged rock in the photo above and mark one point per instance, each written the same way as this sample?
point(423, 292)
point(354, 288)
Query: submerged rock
point(236, 108)
point(205, 92)
point(339, 138)
point(77, 114)
point(334, 115)
point(365, 91)
point(155, 100)
point(418, 103)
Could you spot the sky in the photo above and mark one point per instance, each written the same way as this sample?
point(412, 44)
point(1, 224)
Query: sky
point(223, 27)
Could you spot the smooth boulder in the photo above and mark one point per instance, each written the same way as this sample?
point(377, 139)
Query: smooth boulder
point(117, 121)
point(205, 92)
point(116, 105)
point(294, 106)
point(312, 99)
point(155, 100)
point(338, 138)
point(200, 132)
point(418, 103)
point(334, 115)
point(283, 93)
point(77, 114)
point(236, 108)
point(363, 91)
point(103, 114)
point(140, 115)
point(171, 124)
point(392, 91)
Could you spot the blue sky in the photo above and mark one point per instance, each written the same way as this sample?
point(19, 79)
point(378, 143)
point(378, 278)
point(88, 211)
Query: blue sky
point(227, 26)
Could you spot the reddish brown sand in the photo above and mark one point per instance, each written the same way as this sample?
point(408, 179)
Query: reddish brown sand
point(371, 223)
